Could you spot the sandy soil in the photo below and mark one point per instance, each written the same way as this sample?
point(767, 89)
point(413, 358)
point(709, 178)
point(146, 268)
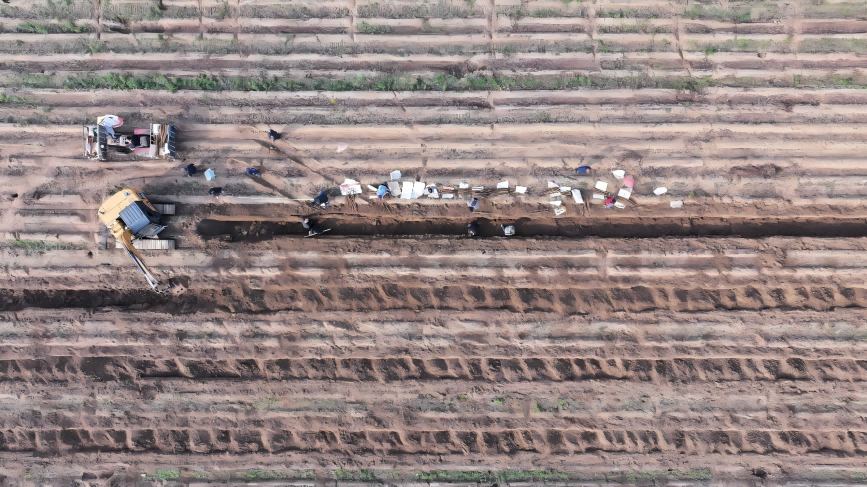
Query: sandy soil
point(717, 343)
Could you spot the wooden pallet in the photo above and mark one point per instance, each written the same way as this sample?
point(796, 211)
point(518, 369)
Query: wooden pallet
point(150, 244)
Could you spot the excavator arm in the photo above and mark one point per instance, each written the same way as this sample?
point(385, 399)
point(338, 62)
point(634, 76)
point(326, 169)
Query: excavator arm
point(125, 238)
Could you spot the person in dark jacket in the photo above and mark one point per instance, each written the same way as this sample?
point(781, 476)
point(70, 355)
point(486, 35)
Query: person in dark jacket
point(215, 191)
point(190, 169)
point(273, 135)
point(321, 200)
point(473, 229)
point(312, 225)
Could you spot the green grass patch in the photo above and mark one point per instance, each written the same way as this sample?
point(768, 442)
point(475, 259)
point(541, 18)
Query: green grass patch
point(507, 49)
point(363, 475)
point(154, 13)
point(636, 28)
point(458, 476)
point(631, 13)
point(492, 476)
point(534, 476)
point(840, 81)
point(396, 82)
point(30, 80)
point(830, 44)
point(67, 27)
point(341, 474)
point(639, 82)
point(47, 9)
point(15, 100)
point(718, 14)
point(263, 475)
point(165, 475)
point(154, 81)
point(256, 474)
point(545, 13)
point(365, 28)
point(223, 11)
point(93, 47)
point(42, 245)
point(31, 28)
point(653, 475)
point(734, 45)
point(737, 15)
point(826, 10)
point(305, 475)
point(417, 10)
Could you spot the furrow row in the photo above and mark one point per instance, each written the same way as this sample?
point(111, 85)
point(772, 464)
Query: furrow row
point(392, 442)
point(570, 289)
point(810, 335)
point(499, 369)
point(599, 300)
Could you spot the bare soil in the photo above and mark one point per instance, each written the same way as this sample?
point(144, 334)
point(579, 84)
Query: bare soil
point(720, 342)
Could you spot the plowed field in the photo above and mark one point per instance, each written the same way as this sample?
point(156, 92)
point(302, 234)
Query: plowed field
point(721, 342)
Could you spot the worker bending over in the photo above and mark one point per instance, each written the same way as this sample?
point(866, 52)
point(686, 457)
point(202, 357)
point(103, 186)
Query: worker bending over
point(313, 226)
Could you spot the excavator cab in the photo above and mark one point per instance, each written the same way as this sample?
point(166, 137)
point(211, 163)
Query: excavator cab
point(142, 220)
point(129, 215)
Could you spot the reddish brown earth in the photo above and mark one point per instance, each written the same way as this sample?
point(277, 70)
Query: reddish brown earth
point(719, 343)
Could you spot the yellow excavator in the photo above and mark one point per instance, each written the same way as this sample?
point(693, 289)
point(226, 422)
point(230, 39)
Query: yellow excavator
point(128, 215)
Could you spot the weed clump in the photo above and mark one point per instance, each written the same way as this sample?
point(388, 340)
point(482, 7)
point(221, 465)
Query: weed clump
point(14, 100)
point(365, 28)
point(165, 475)
point(492, 477)
point(41, 246)
point(68, 27)
point(394, 82)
